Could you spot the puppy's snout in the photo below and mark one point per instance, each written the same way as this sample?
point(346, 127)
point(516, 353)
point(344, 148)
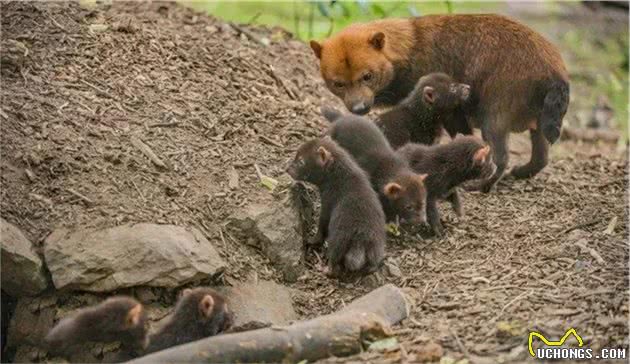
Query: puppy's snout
point(360, 108)
point(465, 92)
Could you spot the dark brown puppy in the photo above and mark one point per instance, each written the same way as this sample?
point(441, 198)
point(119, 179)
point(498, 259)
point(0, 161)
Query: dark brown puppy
point(517, 77)
point(115, 319)
point(351, 217)
point(199, 313)
point(401, 191)
point(436, 102)
point(449, 165)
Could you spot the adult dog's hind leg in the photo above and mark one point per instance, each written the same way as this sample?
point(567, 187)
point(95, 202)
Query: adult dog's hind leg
point(539, 158)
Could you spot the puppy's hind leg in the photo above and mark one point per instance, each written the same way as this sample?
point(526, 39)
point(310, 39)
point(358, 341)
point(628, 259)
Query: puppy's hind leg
point(456, 202)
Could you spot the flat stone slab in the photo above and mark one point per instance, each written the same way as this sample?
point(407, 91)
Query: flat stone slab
point(129, 255)
point(259, 304)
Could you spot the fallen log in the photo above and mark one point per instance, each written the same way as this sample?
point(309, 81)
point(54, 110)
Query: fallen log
point(590, 135)
point(339, 334)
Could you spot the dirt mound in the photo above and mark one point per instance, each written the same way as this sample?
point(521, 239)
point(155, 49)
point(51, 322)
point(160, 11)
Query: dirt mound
point(83, 90)
point(81, 87)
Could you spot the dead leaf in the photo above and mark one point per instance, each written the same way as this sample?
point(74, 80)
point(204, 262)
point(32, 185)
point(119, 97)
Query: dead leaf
point(385, 344)
point(98, 28)
point(233, 179)
point(393, 229)
point(611, 226)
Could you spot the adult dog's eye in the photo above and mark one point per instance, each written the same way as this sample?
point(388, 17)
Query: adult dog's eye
point(367, 76)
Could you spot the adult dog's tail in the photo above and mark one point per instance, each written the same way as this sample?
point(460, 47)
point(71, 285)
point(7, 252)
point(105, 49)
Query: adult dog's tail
point(554, 107)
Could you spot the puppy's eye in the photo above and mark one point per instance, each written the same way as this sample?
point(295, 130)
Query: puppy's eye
point(367, 76)
point(338, 84)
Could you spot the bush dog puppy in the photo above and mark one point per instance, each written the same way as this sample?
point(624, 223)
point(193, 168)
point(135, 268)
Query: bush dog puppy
point(117, 318)
point(463, 159)
point(351, 217)
point(401, 191)
point(436, 102)
point(199, 313)
point(517, 78)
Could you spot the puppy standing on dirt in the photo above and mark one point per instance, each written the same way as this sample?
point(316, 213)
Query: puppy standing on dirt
point(351, 217)
point(518, 79)
point(436, 102)
point(199, 313)
point(401, 191)
point(116, 319)
point(463, 159)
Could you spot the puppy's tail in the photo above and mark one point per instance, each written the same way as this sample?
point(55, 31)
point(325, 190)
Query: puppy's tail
point(554, 107)
point(354, 260)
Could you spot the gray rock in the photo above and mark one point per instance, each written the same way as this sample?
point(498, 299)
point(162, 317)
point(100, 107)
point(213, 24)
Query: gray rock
point(278, 226)
point(129, 255)
point(259, 304)
point(22, 268)
point(32, 319)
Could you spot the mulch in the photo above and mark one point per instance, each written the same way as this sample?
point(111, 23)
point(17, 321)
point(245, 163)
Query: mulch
point(153, 112)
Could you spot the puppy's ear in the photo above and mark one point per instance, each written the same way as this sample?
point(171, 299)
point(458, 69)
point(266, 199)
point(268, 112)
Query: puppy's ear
point(206, 305)
point(392, 190)
point(317, 48)
point(377, 40)
point(134, 316)
point(324, 156)
point(428, 95)
point(330, 113)
point(422, 177)
point(481, 154)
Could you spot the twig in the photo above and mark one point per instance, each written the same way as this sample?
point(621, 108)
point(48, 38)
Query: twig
point(582, 225)
point(165, 125)
point(270, 141)
point(254, 18)
point(82, 197)
point(248, 34)
point(258, 172)
point(30, 174)
point(99, 90)
point(147, 151)
point(272, 72)
point(517, 298)
point(41, 198)
point(57, 24)
point(459, 342)
point(138, 190)
point(582, 245)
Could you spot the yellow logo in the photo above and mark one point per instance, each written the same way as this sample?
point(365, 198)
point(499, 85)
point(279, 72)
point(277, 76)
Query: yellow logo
point(569, 332)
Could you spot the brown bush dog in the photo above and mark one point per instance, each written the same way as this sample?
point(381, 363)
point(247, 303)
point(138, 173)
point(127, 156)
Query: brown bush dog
point(518, 79)
point(436, 102)
point(199, 313)
point(351, 217)
point(449, 165)
point(402, 192)
point(117, 318)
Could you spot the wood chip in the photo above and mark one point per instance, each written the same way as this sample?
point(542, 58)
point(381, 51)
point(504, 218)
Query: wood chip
point(147, 151)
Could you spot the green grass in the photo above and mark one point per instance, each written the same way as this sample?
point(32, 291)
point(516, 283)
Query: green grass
point(603, 66)
point(318, 19)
